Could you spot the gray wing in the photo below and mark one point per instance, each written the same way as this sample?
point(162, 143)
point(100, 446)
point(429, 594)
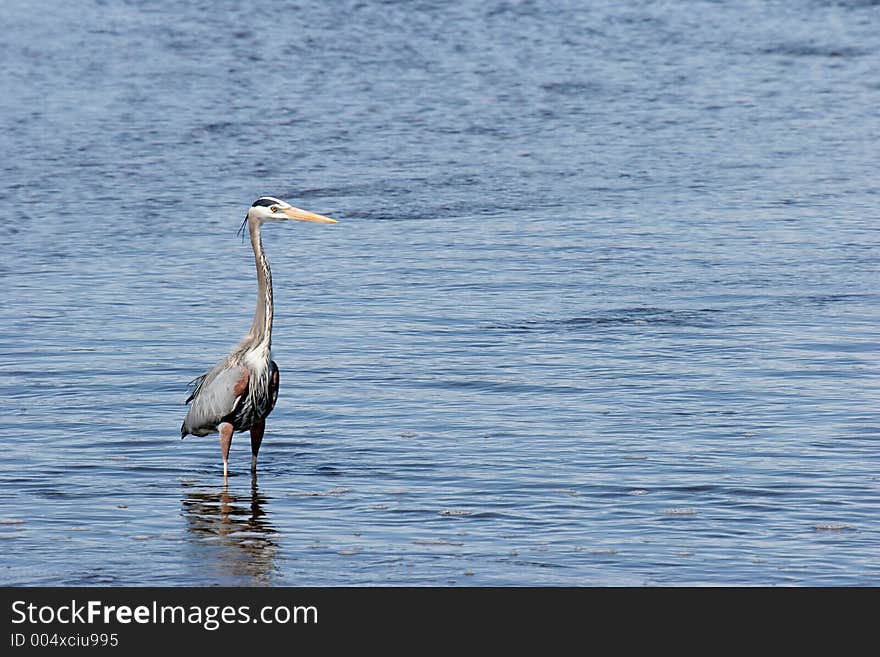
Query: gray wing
point(215, 396)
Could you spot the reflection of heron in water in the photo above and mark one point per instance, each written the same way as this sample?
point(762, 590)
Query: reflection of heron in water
point(233, 532)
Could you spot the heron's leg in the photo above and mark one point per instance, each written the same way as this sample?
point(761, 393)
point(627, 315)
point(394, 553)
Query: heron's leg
point(256, 440)
point(225, 441)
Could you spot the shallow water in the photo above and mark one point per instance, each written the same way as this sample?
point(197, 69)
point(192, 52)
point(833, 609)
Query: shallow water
point(601, 308)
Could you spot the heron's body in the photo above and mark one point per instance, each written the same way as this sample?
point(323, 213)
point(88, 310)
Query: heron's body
point(240, 391)
point(241, 395)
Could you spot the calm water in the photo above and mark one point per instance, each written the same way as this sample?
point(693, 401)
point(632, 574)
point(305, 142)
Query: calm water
point(601, 307)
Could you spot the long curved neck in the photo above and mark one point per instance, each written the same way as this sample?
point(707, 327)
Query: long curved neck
point(261, 329)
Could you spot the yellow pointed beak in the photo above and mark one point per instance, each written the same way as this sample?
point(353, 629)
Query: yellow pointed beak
point(305, 215)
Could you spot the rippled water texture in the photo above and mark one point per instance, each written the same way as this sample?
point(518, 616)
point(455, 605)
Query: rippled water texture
point(601, 307)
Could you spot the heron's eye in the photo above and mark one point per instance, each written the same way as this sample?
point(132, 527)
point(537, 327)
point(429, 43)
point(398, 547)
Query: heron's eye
point(274, 208)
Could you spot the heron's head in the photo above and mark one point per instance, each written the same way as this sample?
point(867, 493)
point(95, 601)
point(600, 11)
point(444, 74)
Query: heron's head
point(269, 208)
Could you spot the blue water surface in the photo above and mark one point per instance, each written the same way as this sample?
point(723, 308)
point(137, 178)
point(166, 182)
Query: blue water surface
point(601, 308)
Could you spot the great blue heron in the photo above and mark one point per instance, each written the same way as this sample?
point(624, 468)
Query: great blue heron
point(239, 392)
